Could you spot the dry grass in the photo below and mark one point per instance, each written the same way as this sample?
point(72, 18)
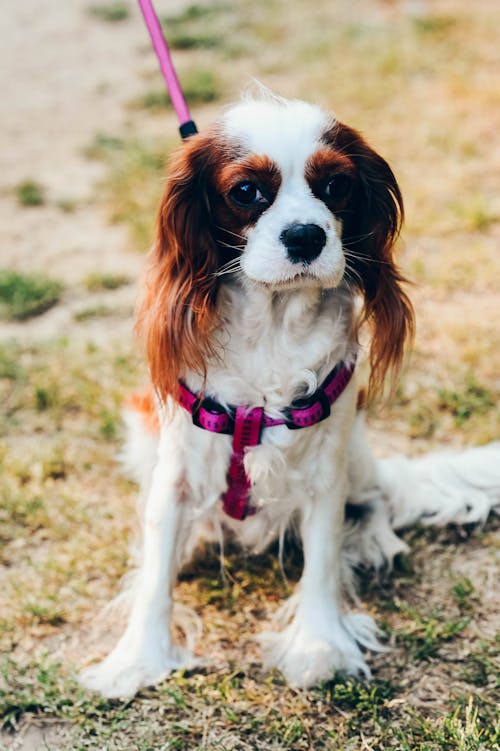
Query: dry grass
point(425, 91)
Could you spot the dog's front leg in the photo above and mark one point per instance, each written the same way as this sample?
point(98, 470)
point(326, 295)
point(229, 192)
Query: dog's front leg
point(145, 653)
point(321, 638)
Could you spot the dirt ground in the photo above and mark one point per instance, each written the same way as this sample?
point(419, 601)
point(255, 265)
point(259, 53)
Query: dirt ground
point(66, 75)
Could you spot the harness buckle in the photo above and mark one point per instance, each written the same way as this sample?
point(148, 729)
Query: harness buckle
point(212, 416)
point(307, 411)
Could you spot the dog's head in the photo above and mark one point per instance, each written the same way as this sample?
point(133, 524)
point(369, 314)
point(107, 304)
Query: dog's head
point(283, 196)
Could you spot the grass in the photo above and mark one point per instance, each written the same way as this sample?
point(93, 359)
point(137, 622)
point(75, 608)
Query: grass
point(200, 86)
point(236, 711)
point(189, 41)
point(97, 282)
point(199, 27)
point(425, 91)
point(472, 399)
point(434, 406)
point(94, 311)
point(30, 193)
point(23, 296)
point(464, 593)
point(427, 633)
point(104, 145)
point(110, 12)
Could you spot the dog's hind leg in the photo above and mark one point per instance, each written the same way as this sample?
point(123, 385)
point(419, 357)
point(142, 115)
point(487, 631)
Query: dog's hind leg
point(369, 539)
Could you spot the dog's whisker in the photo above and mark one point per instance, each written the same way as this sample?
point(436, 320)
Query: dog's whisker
point(354, 274)
point(230, 232)
point(358, 238)
point(362, 258)
point(229, 268)
point(240, 248)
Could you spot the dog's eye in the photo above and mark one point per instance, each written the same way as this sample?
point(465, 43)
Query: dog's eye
point(247, 194)
point(338, 187)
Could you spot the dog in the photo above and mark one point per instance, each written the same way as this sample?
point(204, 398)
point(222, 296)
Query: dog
point(274, 248)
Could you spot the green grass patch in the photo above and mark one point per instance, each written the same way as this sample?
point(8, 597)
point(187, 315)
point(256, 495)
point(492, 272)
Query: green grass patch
point(193, 12)
point(200, 87)
point(157, 99)
point(433, 25)
point(424, 634)
point(465, 729)
point(110, 12)
point(26, 295)
point(22, 508)
point(104, 145)
point(239, 715)
point(94, 311)
point(44, 613)
point(100, 282)
point(49, 387)
point(184, 40)
point(464, 593)
point(42, 689)
point(364, 700)
point(109, 425)
point(30, 193)
point(423, 421)
point(472, 399)
point(475, 213)
point(67, 205)
point(10, 368)
point(482, 666)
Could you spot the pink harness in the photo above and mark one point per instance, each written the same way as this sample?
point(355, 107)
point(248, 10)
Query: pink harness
point(246, 426)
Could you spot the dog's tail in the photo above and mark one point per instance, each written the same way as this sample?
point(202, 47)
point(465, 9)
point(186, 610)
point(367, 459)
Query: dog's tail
point(444, 487)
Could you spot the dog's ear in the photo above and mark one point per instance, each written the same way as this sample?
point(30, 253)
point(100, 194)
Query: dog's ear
point(371, 227)
point(177, 314)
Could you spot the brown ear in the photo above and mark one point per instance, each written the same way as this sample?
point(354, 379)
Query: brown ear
point(177, 314)
point(371, 226)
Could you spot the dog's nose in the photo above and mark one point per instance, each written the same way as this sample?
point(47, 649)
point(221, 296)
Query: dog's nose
point(303, 242)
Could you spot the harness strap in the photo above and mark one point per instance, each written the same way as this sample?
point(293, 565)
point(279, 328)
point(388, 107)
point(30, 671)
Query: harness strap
point(247, 432)
point(246, 425)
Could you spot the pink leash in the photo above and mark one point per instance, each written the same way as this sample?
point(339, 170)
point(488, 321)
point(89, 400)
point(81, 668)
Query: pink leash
point(187, 126)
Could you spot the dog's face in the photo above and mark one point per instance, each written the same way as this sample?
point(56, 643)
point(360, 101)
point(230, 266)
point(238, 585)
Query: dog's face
point(280, 195)
point(285, 191)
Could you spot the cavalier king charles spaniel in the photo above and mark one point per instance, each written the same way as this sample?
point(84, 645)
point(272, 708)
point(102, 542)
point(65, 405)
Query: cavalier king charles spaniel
point(275, 245)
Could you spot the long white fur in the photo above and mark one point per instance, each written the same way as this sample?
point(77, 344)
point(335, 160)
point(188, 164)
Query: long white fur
point(278, 346)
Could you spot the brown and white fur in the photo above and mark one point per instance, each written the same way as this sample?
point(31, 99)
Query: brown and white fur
point(247, 317)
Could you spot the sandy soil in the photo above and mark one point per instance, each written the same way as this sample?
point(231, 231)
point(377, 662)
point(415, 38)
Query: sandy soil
point(65, 75)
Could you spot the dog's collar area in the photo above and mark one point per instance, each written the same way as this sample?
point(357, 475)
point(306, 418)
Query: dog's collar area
point(246, 426)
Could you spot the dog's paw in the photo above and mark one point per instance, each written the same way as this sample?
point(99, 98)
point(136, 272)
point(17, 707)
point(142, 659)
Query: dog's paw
point(308, 655)
point(125, 670)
